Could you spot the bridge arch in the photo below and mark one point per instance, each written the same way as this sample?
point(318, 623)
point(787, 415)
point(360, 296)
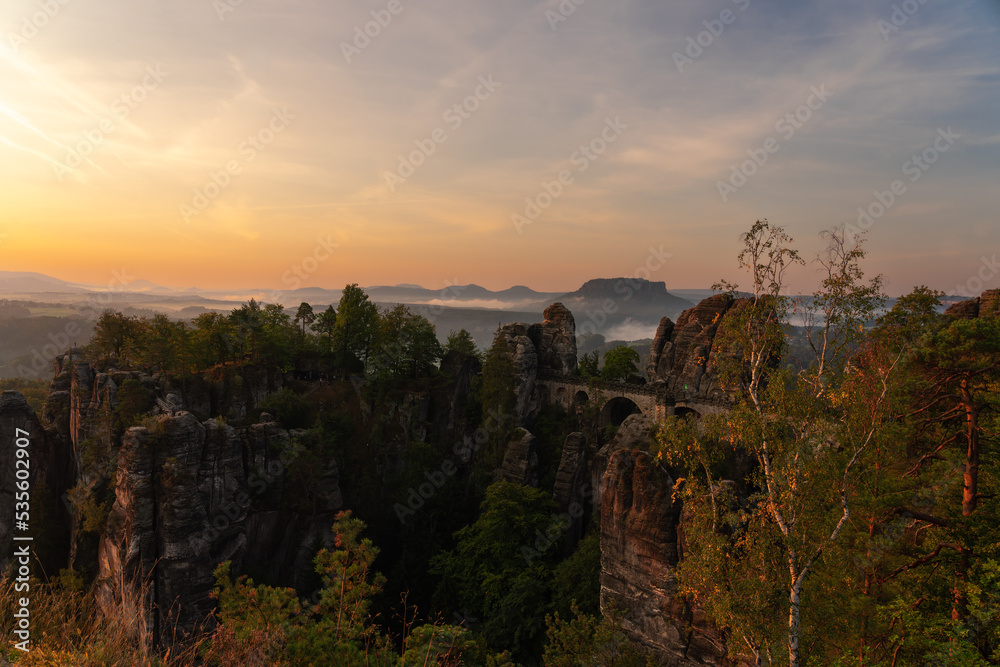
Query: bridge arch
point(617, 409)
point(617, 400)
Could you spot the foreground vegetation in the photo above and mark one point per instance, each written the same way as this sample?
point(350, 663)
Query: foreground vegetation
point(864, 529)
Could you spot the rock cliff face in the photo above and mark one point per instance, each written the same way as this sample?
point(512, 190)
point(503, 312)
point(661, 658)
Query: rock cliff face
point(572, 491)
point(635, 433)
point(555, 340)
point(524, 354)
point(639, 555)
point(190, 495)
point(545, 347)
point(683, 355)
point(520, 461)
point(986, 304)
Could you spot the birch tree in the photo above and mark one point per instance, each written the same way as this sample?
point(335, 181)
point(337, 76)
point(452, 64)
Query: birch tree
point(807, 433)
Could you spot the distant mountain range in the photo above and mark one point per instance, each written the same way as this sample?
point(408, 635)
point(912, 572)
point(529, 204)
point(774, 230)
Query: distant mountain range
point(27, 282)
point(616, 308)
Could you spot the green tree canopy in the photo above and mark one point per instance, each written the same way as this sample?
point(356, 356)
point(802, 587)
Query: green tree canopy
point(355, 328)
point(620, 363)
point(305, 316)
point(461, 341)
point(406, 345)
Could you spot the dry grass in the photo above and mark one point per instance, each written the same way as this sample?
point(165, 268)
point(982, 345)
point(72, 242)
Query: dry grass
point(69, 627)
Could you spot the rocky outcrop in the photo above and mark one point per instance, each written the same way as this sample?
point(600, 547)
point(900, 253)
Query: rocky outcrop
point(986, 304)
point(525, 358)
point(520, 461)
point(555, 340)
point(639, 555)
point(683, 355)
point(536, 349)
point(172, 483)
point(573, 487)
point(85, 408)
point(636, 433)
point(190, 495)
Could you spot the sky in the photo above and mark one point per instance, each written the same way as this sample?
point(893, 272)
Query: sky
point(285, 143)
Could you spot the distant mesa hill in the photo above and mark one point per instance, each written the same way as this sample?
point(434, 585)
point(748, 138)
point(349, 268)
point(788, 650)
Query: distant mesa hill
point(639, 299)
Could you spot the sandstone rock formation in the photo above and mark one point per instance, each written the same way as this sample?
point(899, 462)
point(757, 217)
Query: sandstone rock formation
point(635, 433)
point(639, 555)
point(524, 354)
point(682, 355)
point(986, 304)
point(190, 495)
point(174, 519)
point(572, 486)
point(555, 340)
point(545, 347)
point(520, 461)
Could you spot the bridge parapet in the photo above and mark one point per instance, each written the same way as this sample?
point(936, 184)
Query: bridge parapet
point(654, 400)
point(627, 387)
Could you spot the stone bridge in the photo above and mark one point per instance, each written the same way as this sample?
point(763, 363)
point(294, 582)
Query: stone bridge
point(620, 399)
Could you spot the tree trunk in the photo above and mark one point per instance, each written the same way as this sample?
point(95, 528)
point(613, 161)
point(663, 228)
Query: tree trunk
point(971, 475)
point(970, 491)
point(794, 598)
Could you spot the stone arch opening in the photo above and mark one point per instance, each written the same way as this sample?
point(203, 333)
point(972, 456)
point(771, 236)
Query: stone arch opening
point(617, 409)
point(581, 398)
